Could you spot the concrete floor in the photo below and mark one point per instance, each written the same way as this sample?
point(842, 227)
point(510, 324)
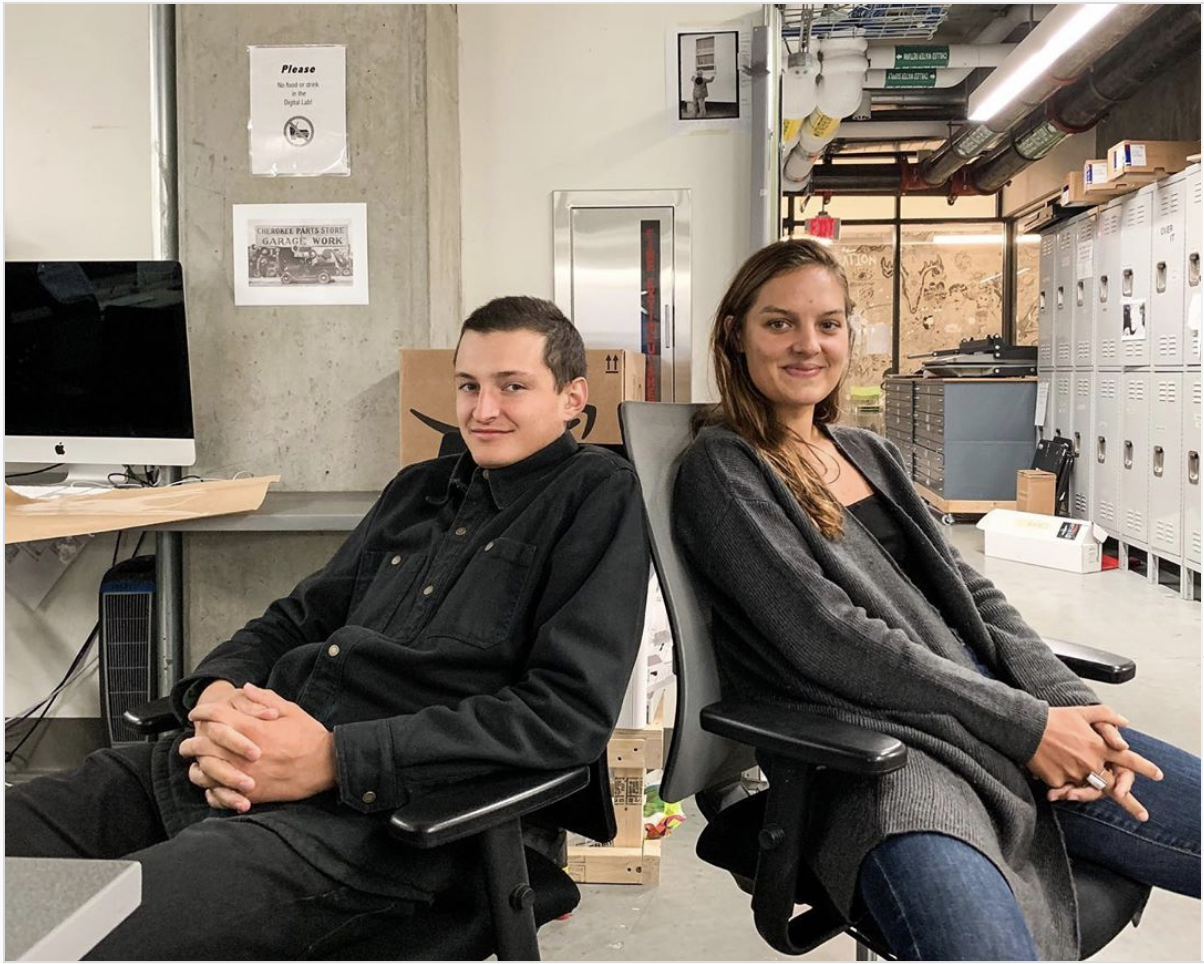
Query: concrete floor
point(698, 914)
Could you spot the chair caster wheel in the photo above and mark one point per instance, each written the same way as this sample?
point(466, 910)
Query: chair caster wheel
point(948, 519)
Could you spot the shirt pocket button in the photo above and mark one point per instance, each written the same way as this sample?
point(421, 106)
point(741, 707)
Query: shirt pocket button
point(396, 560)
point(369, 797)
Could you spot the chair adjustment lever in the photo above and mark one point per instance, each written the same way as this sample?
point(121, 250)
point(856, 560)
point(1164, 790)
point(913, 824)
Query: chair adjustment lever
point(522, 897)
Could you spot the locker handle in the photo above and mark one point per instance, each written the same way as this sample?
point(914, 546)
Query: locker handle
point(1126, 283)
point(1160, 276)
point(1103, 288)
point(1101, 447)
point(1193, 468)
point(1193, 268)
point(667, 326)
point(1041, 301)
point(1078, 293)
point(1060, 298)
point(1128, 454)
point(1077, 444)
point(1159, 460)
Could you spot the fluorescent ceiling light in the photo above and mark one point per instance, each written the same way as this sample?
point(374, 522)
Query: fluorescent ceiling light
point(1016, 75)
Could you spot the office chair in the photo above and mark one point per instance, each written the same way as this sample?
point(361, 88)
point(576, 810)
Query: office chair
point(760, 837)
point(516, 891)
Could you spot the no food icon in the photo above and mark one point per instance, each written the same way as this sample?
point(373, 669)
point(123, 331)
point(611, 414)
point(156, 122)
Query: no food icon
point(298, 131)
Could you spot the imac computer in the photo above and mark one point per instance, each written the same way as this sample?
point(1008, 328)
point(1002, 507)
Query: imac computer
point(96, 364)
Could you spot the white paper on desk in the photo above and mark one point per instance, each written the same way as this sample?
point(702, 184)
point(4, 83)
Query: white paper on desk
point(27, 520)
point(32, 568)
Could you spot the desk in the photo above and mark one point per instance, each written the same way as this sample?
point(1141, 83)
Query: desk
point(58, 910)
point(280, 512)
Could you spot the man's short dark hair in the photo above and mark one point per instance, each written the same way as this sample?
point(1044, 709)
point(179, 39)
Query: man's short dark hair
point(563, 350)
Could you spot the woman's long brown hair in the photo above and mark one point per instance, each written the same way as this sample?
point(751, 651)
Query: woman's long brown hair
point(742, 406)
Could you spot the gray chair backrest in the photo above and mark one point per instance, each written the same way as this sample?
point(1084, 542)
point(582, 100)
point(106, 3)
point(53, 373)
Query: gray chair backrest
point(655, 435)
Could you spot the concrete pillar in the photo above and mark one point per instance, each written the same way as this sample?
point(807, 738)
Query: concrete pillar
point(311, 392)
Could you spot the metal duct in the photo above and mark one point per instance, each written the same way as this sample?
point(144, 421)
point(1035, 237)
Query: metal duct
point(975, 139)
point(1159, 42)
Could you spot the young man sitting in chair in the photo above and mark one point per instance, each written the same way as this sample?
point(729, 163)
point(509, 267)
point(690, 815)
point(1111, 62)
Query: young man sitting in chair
point(484, 615)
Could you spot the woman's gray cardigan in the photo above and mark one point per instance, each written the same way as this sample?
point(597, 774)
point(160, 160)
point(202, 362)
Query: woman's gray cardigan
point(835, 626)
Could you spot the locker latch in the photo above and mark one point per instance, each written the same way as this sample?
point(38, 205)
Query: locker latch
point(1193, 468)
point(1159, 456)
point(1077, 440)
point(1061, 298)
point(1101, 447)
point(1041, 301)
point(1160, 276)
point(1128, 454)
point(1126, 283)
point(1078, 294)
point(1193, 268)
point(1103, 288)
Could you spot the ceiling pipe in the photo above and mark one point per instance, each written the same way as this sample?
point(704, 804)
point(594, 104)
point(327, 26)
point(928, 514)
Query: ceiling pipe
point(984, 53)
point(1159, 42)
point(920, 98)
point(977, 138)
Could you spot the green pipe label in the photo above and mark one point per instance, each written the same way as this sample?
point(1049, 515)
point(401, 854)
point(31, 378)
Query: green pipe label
point(922, 55)
point(911, 78)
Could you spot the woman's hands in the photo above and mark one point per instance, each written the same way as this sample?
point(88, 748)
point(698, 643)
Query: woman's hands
point(1080, 740)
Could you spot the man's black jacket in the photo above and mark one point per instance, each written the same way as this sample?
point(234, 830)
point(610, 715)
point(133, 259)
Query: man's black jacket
point(475, 620)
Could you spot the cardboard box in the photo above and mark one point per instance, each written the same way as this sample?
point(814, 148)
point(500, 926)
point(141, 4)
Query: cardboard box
point(1043, 540)
point(1149, 157)
point(428, 399)
point(1035, 491)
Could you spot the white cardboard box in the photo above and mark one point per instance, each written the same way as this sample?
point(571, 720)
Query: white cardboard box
point(1043, 540)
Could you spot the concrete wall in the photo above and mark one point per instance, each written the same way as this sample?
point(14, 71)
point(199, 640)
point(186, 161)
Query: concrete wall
point(572, 97)
point(311, 392)
point(78, 185)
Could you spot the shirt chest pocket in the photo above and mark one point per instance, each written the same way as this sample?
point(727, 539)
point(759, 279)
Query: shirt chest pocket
point(480, 609)
point(384, 578)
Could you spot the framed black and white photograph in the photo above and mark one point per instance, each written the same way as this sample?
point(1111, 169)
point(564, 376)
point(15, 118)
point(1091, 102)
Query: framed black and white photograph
point(707, 88)
point(300, 254)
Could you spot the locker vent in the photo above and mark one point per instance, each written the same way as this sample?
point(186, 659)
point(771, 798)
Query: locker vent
point(1084, 387)
point(1166, 533)
point(1084, 353)
point(1134, 521)
point(1168, 202)
point(1195, 344)
point(1064, 354)
point(1080, 505)
point(1107, 511)
point(1047, 244)
point(1110, 222)
point(1136, 390)
point(1086, 230)
point(1195, 536)
point(1136, 214)
point(1166, 392)
point(1107, 387)
point(1064, 387)
point(1168, 346)
point(1195, 392)
point(1195, 189)
point(1108, 349)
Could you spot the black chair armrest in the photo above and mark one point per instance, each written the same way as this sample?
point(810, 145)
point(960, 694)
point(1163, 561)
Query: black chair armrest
point(464, 809)
point(1091, 663)
point(806, 737)
point(154, 717)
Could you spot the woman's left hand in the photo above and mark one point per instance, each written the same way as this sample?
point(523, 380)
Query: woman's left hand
point(1119, 778)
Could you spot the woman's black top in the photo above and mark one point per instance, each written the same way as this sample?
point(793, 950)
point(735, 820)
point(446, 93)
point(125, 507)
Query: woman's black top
point(873, 513)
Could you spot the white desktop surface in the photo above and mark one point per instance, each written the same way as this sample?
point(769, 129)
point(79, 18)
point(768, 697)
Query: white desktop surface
point(59, 909)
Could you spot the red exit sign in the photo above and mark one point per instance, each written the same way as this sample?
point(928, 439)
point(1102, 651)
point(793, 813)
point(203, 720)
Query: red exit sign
point(823, 226)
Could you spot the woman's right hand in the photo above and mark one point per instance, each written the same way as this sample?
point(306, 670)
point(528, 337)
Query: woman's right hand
point(1070, 748)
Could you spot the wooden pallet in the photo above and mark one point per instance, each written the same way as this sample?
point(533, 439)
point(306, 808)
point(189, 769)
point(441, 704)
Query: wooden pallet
point(631, 859)
point(961, 506)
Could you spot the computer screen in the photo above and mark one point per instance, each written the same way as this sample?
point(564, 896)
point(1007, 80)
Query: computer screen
point(96, 363)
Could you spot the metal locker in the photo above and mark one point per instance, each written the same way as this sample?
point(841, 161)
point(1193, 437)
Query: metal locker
point(1108, 222)
point(1045, 334)
point(1135, 458)
point(1193, 304)
point(1169, 261)
point(1190, 471)
point(1107, 451)
point(1062, 388)
point(1166, 445)
point(1082, 297)
point(1082, 420)
point(1045, 428)
point(1136, 235)
point(1063, 285)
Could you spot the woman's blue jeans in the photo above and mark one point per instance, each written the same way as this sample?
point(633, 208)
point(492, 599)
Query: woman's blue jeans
point(936, 898)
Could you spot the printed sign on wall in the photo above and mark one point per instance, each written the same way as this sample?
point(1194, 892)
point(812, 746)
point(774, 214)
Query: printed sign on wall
point(298, 122)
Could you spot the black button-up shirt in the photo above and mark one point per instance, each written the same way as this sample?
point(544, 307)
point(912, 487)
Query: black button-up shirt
point(476, 619)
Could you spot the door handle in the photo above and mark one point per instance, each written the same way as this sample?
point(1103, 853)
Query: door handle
point(1101, 447)
point(1159, 457)
point(1126, 283)
point(1193, 268)
point(667, 320)
point(1193, 468)
point(1128, 454)
point(1160, 276)
point(1103, 288)
point(1078, 294)
point(1077, 439)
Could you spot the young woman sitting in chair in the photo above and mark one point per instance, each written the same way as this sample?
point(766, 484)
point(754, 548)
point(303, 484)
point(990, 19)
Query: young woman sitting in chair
point(835, 589)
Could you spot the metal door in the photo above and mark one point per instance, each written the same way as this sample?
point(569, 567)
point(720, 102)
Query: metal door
point(1169, 260)
point(1045, 322)
point(1190, 469)
point(1136, 235)
point(1082, 493)
point(1193, 303)
point(1107, 451)
point(1063, 288)
point(622, 273)
point(1107, 285)
point(1166, 443)
point(1083, 295)
point(1135, 459)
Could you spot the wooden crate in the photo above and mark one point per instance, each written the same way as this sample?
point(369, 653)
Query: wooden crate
point(631, 859)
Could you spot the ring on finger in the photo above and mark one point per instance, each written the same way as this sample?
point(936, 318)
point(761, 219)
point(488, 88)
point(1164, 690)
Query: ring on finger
point(1096, 781)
